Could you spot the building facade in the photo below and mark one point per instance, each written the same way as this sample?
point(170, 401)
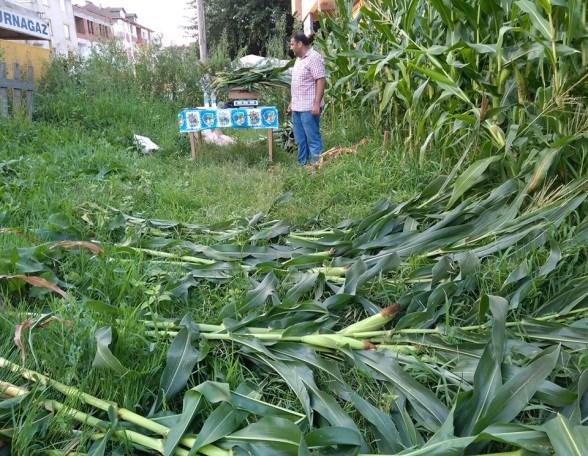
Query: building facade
point(32, 30)
point(111, 23)
point(20, 26)
point(128, 30)
point(59, 15)
point(93, 26)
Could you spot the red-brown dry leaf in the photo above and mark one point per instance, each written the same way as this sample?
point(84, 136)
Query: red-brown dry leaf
point(38, 282)
point(18, 330)
point(335, 151)
point(78, 244)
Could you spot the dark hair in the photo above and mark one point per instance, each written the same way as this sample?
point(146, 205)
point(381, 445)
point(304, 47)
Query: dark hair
point(301, 37)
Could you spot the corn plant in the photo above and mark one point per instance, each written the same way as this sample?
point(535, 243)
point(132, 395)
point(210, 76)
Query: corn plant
point(490, 76)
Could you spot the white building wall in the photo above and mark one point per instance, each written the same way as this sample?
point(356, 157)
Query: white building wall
point(122, 30)
point(60, 15)
point(85, 47)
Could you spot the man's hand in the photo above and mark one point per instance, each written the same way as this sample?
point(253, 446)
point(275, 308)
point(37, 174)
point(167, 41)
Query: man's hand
point(289, 108)
point(316, 108)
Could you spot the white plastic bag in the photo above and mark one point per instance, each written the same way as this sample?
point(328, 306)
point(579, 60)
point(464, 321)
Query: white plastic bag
point(145, 144)
point(217, 137)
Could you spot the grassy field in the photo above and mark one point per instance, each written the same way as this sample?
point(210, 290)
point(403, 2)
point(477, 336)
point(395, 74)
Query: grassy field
point(410, 298)
point(65, 167)
point(52, 170)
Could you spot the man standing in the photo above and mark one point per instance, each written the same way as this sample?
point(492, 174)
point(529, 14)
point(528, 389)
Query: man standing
point(308, 87)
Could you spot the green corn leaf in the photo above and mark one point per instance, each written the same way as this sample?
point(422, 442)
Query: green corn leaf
point(99, 448)
point(192, 401)
point(520, 273)
point(488, 376)
point(305, 354)
point(570, 297)
point(104, 357)
point(511, 398)
point(574, 412)
point(573, 337)
point(293, 374)
point(551, 262)
point(213, 392)
point(432, 411)
point(345, 441)
point(248, 399)
point(539, 22)
point(256, 297)
point(470, 177)
point(388, 435)
point(567, 439)
point(517, 435)
point(542, 168)
point(222, 422)
point(181, 359)
point(443, 10)
point(281, 228)
point(450, 447)
point(328, 407)
point(387, 96)
point(269, 434)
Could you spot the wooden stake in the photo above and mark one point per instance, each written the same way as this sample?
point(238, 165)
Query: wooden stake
point(193, 146)
point(270, 143)
point(386, 137)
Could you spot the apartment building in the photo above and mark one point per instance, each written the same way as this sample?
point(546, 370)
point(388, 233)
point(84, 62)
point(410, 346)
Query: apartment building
point(129, 32)
point(32, 30)
point(93, 26)
point(59, 16)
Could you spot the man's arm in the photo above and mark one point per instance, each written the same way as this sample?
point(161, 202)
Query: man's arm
point(318, 96)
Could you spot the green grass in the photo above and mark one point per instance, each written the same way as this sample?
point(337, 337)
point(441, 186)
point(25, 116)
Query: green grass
point(53, 166)
point(62, 167)
point(76, 157)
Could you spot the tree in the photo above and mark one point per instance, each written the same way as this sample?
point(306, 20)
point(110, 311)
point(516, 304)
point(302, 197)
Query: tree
point(247, 26)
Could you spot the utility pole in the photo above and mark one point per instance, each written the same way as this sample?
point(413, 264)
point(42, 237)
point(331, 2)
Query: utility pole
point(201, 31)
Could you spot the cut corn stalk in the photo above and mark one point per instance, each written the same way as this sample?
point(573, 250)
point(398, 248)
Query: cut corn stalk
point(372, 323)
point(122, 413)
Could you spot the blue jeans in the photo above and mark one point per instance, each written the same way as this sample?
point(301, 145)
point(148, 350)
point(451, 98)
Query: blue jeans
point(307, 134)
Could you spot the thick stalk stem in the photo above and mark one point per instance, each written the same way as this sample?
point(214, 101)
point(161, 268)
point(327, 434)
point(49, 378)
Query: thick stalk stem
point(124, 414)
point(186, 259)
point(81, 417)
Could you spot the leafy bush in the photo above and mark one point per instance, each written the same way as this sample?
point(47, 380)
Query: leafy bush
point(108, 94)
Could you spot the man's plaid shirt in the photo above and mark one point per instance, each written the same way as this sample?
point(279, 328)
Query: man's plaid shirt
point(305, 73)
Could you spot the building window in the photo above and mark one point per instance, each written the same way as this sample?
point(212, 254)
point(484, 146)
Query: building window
point(90, 27)
point(80, 30)
point(66, 32)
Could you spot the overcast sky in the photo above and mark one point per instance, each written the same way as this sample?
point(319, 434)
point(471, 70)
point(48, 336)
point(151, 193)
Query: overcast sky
point(168, 17)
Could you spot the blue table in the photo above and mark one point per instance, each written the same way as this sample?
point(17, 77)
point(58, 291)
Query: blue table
point(195, 120)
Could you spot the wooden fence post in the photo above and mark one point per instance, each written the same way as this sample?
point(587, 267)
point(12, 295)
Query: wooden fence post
point(3, 91)
point(16, 91)
point(30, 92)
point(18, 84)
